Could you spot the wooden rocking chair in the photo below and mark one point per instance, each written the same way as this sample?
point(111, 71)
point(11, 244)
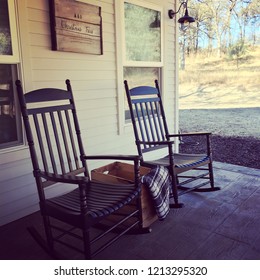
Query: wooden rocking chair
point(189, 172)
point(72, 206)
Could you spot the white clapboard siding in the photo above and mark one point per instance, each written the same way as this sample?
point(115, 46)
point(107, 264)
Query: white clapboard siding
point(95, 87)
point(82, 65)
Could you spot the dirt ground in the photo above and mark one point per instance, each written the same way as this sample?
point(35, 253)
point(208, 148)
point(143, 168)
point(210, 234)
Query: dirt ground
point(242, 122)
point(236, 134)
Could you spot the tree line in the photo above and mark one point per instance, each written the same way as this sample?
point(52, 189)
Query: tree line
point(221, 25)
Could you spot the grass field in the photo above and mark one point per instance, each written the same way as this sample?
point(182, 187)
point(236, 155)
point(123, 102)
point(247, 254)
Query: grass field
point(215, 94)
point(210, 82)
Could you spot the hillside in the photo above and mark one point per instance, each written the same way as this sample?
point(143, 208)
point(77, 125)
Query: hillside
point(209, 82)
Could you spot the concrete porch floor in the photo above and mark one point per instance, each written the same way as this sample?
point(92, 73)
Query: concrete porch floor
point(212, 226)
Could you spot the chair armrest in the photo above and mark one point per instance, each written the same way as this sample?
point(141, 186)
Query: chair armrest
point(70, 179)
point(190, 134)
point(115, 157)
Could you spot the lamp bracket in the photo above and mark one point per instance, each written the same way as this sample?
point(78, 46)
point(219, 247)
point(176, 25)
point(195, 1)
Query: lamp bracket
point(171, 13)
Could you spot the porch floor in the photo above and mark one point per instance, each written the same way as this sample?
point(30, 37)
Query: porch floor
point(212, 226)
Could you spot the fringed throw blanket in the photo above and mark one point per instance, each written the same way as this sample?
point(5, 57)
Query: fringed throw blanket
point(159, 184)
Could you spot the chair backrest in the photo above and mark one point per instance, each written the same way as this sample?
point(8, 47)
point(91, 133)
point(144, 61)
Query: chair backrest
point(147, 115)
point(52, 131)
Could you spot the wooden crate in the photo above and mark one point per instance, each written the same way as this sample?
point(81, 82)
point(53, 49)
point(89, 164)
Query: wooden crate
point(119, 172)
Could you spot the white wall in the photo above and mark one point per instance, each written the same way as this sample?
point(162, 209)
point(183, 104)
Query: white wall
point(94, 81)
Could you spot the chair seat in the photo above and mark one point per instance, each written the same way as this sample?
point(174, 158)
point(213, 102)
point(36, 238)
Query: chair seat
point(182, 161)
point(102, 199)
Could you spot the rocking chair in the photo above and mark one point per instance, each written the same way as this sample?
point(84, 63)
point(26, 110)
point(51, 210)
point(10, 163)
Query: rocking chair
point(189, 172)
point(72, 206)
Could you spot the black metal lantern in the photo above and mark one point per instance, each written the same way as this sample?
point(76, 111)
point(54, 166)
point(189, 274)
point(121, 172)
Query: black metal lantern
point(186, 18)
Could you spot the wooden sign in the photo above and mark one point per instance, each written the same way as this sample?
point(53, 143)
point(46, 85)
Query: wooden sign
point(76, 27)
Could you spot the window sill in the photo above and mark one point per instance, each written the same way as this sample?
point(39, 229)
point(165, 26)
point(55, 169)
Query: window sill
point(13, 154)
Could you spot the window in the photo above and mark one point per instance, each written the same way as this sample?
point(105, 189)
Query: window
point(8, 34)
point(142, 34)
point(10, 122)
point(142, 51)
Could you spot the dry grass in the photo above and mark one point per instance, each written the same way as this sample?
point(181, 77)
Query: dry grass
point(209, 82)
point(201, 70)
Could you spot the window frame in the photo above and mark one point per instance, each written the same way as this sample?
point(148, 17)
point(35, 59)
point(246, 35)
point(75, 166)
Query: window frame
point(14, 57)
point(123, 124)
point(13, 60)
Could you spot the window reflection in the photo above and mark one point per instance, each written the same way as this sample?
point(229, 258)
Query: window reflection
point(5, 33)
point(139, 76)
point(142, 33)
point(10, 127)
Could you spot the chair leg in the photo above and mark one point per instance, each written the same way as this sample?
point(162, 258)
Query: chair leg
point(176, 203)
point(86, 242)
point(211, 178)
point(211, 175)
point(48, 232)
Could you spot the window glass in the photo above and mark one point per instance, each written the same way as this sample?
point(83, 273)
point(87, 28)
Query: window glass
point(10, 122)
point(5, 31)
point(137, 76)
point(142, 33)
point(144, 76)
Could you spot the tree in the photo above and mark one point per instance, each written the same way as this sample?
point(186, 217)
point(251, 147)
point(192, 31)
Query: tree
point(237, 51)
point(221, 23)
point(232, 6)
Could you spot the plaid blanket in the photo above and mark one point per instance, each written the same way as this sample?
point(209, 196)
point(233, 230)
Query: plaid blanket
point(159, 184)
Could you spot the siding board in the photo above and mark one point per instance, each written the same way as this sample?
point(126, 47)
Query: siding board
point(15, 169)
point(43, 52)
point(13, 183)
point(45, 75)
point(82, 65)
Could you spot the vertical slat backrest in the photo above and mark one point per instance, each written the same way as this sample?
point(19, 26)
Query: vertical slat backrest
point(147, 115)
point(52, 130)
